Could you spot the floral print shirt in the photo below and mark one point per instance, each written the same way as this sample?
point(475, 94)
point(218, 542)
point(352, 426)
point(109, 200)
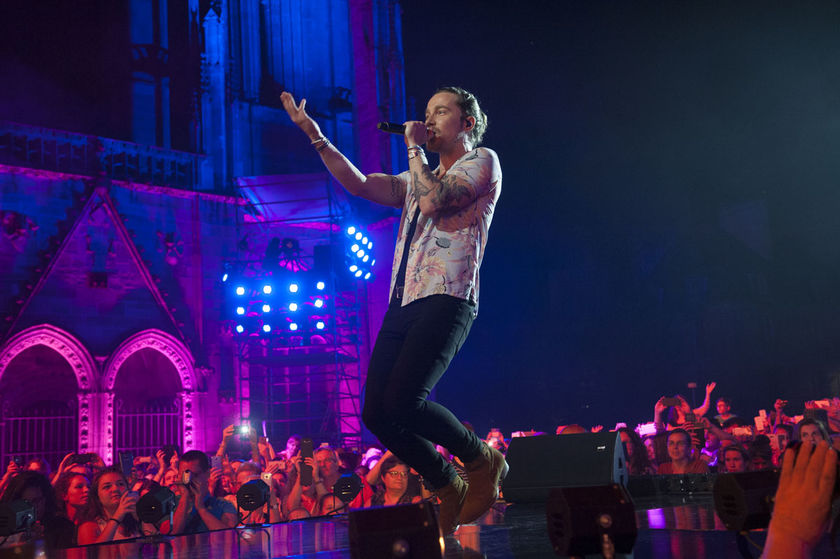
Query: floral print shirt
point(447, 249)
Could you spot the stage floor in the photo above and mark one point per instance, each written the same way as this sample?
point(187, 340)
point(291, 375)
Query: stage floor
point(683, 531)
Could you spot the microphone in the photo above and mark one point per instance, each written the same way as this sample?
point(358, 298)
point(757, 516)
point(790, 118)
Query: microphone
point(392, 128)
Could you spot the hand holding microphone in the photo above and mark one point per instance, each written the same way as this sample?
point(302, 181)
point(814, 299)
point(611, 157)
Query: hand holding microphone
point(415, 132)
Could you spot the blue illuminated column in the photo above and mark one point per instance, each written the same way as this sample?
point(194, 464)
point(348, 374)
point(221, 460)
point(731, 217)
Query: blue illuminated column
point(150, 74)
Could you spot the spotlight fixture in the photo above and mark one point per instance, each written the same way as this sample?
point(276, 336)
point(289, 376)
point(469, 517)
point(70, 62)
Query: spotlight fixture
point(16, 516)
point(156, 505)
point(252, 495)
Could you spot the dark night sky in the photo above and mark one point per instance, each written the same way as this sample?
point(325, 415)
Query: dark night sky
point(668, 205)
point(668, 211)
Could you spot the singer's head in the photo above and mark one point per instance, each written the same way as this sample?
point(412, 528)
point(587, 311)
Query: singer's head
point(471, 113)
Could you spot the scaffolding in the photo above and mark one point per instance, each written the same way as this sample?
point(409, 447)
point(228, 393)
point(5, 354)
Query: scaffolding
point(310, 383)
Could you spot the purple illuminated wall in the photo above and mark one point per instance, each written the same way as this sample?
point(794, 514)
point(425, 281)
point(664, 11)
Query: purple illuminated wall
point(114, 248)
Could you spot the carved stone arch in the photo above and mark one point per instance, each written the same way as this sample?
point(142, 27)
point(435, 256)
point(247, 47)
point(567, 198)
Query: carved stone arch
point(77, 356)
point(170, 346)
point(180, 357)
point(71, 349)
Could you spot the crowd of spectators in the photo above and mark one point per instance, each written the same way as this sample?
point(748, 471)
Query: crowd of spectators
point(85, 501)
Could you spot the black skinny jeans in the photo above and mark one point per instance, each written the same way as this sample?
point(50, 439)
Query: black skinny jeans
point(412, 351)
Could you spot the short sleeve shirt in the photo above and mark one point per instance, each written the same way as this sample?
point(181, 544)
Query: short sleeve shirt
point(447, 249)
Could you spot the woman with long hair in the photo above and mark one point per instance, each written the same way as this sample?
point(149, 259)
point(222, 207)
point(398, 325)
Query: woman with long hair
point(638, 462)
point(111, 513)
point(72, 491)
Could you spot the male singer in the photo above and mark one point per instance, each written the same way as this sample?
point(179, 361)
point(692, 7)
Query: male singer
point(446, 215)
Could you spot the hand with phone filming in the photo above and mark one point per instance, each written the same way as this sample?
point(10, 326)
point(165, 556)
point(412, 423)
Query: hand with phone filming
point(128, 505)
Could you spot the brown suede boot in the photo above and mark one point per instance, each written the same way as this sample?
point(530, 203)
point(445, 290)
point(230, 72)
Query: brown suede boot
point(451, 500)
point(484, 474)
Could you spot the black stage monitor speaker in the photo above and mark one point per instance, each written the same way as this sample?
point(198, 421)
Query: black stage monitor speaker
point(591, 520)
point(745, 501)
point(538, 464)
point(404, 531)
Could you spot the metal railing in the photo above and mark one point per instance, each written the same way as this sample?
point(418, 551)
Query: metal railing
point(144, 430)
point(48, 432)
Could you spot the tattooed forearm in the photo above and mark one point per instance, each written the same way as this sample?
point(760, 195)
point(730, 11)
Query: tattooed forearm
point(451, 194)
point(446, 194)
point(424, 185)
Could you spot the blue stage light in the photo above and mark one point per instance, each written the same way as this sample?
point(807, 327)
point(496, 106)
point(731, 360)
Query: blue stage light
point(224, 277)
point(367, 275)
point(240, 310)
point(266, 328)
point(240, 328)
point(320, 285)
point(240, 290)
point(266, 308)
point(320, 325)
point(293, 307)
point(293, 326)
point(319, 303)
point(293, 288)
point(358, 255)
point(267, 289)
